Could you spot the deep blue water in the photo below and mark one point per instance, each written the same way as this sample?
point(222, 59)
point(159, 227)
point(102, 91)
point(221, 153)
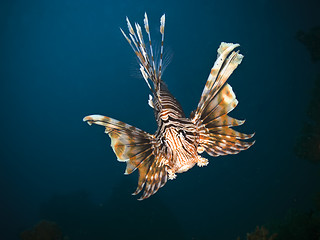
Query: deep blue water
point(62, 60)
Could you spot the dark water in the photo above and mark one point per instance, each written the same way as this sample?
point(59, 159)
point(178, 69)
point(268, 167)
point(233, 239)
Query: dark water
point(62, 60)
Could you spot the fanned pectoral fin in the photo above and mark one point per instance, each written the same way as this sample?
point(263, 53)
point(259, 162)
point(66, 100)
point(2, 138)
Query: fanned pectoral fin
point(152, 176)
point(227, 61)
point(217, 144)
point(135, 147)
point(216, 136)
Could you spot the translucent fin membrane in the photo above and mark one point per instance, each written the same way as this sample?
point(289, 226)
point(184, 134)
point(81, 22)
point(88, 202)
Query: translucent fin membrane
point(135, 39)
point(217, 100)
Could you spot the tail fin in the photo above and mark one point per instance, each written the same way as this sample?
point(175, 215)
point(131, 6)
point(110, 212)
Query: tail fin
point(148, 66)
point(217, 100)
point(135, 147)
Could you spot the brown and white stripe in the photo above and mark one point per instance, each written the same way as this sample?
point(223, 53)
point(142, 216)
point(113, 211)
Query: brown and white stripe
point(178, 141)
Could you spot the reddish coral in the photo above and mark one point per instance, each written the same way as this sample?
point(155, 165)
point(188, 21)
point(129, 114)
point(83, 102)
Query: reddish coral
point(260, 234)
point(44, 230)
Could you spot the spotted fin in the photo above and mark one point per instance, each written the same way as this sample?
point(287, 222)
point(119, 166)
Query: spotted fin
point(150, 68)
point(216, 136)
point(152, 176)
point(135, 147)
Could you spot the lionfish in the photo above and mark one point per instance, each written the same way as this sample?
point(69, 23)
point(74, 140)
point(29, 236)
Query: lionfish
point(178, 141)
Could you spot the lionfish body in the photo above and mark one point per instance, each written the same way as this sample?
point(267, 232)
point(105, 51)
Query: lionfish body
point(178, 141)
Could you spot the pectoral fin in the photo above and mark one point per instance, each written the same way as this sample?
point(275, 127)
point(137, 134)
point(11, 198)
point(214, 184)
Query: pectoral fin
point(136, 148)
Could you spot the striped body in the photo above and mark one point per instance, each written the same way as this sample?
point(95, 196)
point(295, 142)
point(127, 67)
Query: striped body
point(176, 135)
point(178, 142)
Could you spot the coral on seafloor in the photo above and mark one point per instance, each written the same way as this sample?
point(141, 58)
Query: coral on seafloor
point(311, 40)
point(44, 230)
point(316, 200)
point(260, 234)
point(298, 226)
point(308, 142)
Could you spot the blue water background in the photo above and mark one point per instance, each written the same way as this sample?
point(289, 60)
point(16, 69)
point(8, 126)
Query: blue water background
point(63, 60)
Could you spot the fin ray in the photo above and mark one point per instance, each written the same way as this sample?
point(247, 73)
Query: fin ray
point(135, 147)
point(217, 100)
point(148, 67)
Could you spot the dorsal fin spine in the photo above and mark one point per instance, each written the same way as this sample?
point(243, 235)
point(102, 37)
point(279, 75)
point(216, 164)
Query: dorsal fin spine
point(148, 67)
point(146, 25)
point(162, 25)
